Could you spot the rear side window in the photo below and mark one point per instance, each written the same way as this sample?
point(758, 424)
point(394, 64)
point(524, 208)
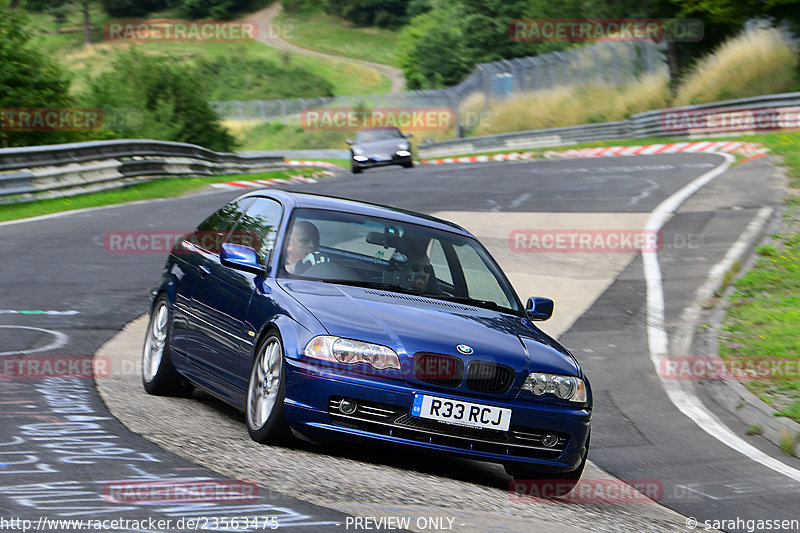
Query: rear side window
point(211, 233)
point(258, 227)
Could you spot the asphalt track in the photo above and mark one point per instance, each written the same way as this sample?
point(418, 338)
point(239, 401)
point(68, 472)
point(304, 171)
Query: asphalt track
point(59, 264)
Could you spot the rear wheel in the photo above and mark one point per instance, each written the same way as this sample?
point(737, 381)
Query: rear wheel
point(266, 391)
point(158, 375)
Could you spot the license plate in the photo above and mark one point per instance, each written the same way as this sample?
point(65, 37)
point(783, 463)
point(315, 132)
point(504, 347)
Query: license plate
point(469, 414)
point(382, 157)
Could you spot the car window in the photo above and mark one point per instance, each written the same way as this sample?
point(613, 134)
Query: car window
point(441, 268)
point(211, 233)
point(258, 227)
point(482, 283)
point(387, 254)
point(378, 135)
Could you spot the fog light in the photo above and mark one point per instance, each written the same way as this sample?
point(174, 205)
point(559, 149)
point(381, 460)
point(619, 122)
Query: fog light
point(550, 439)
point(348, 407)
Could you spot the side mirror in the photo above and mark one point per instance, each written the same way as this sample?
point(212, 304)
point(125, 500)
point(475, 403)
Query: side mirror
point(240, 257)
point(539, 308)
point(407, 135)
point(350, 141)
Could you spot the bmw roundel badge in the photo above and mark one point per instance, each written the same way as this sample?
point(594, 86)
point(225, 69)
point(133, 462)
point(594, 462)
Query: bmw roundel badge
point(463, 348)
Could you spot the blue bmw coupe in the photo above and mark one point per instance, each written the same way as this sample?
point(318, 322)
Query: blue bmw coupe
point(329, 317)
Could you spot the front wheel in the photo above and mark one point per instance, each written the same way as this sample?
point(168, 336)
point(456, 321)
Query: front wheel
point(158, 375)
point(548, 486)
point(266, 422)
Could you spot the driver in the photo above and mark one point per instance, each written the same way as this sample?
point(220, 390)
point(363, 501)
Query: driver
point(420, 271)
point(303, 248)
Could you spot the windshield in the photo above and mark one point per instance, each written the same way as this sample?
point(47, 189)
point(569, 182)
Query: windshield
point(343, 248)
point(378, 135)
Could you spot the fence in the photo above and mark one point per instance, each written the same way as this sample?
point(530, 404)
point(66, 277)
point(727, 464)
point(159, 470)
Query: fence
point(27, 173)
point(765, 113)
point(604, 63)
point(67, 169)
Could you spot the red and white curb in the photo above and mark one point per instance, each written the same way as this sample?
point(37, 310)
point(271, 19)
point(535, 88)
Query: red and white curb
point(254, 184)
point(743, 148)
point(750, 150)
point(513, 156)
point(302, 163)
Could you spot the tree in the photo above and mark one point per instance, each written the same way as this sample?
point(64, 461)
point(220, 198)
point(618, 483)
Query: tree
point(383, 13)
point(132, 8)
point(28, 79)
point(60, 8)
point(167, 97)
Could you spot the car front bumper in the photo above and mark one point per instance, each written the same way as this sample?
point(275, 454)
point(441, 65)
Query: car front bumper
point(372, 161)
point(312, 400)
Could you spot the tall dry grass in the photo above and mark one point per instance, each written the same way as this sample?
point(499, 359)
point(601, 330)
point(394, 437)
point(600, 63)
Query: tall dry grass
point(570, 106)
point(754, 63)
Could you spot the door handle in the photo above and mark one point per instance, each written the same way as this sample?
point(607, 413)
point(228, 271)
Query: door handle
point(204, 271)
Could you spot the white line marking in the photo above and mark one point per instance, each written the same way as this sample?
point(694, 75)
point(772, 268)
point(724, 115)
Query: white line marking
point(61, 339)
point(48, 312)
point(681, 394)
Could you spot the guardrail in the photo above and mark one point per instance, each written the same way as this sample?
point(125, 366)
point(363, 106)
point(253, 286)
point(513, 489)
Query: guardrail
point(66, 169)
point(714, 119)
point(526, 140)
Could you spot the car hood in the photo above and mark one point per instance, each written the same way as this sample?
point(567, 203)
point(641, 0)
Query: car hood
point(383, 146)
point(410, 324)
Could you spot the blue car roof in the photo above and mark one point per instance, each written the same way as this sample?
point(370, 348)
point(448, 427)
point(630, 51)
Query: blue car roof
point(320, 201)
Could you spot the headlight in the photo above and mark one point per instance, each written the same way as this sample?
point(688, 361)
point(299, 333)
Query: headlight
point(347, 351)
point(564, 387)
point(403, 153)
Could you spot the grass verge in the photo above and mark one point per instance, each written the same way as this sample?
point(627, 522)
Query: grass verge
point(762, 321)
point(65, 43)
point(335, 36)
point(161, 188)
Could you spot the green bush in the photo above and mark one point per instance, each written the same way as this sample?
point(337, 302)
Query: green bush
point(132, 8)
point(29, 79)
point(172, 105)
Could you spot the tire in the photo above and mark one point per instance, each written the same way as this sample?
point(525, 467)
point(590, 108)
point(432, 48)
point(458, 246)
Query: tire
point(356, 169)
point(158, 375)
point(266, 391)
point(410, 164)
point(545, 485)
